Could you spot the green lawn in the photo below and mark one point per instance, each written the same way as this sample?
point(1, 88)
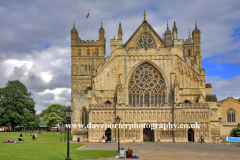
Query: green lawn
point(47, 146)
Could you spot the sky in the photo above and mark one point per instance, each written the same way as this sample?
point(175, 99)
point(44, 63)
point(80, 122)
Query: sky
point(35, 39)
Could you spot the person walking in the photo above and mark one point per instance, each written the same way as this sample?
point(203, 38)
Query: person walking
point(33, 137)
point(134, 138)
point(100, 139)
point(217, 140)
point(106, 138)
point(158, 139)
point(202, 139)
point(103, 138)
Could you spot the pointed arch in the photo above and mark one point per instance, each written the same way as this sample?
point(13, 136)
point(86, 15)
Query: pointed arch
point(157, 68)
point(186, 101)
point(231, 115)
point(108, 102)
point(146, 84)
point(84, 116)
point(145, 40)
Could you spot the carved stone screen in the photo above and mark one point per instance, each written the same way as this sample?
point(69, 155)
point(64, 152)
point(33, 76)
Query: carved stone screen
point(146, 86)
point(145, 41)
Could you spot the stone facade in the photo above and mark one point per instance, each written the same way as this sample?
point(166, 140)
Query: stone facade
point(147, 80)
point(231, 115)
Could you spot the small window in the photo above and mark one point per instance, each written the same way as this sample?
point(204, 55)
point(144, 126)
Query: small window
point(79, 52)
point(171, 133)
point(101, 91)
point(88, 52)
point(162, 133)
point(85, 68)
point(189, 52)
point(166, 132)
point(97, 51)
point(89, 68)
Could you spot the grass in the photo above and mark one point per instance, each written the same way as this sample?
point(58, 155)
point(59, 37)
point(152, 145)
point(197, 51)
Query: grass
point(47, 146)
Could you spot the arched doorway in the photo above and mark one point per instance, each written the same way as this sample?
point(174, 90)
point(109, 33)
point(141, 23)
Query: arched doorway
point(148, 134)
point(108, 134)
point(190, 135)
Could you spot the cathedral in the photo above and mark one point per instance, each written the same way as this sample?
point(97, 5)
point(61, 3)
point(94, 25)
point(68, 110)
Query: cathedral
point(149, 80)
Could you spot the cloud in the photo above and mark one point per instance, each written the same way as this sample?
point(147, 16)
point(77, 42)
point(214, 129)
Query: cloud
point(35, 35)
point(224, 88)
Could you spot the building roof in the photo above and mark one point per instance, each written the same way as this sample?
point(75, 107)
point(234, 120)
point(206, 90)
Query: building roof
point(211, 98)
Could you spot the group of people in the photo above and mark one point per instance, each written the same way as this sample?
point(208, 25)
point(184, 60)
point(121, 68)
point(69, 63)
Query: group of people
point(104, 139)
point(34, 137)
point(127, 154)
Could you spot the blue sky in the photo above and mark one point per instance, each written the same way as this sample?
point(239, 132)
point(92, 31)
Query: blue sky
point(35, 39)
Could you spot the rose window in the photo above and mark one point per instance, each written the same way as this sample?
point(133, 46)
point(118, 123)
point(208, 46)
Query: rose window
point(146, 86)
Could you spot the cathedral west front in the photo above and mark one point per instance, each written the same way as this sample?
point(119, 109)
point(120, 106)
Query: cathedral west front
point(148, 80)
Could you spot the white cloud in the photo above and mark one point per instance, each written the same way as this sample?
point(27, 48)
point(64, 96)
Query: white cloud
point(224, 88)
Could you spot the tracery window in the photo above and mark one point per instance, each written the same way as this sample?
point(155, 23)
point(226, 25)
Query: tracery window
point(231, 115)
point(189, 52)
point(84, 117)
point(79, 52)
point(146, 86)
point(145, 41)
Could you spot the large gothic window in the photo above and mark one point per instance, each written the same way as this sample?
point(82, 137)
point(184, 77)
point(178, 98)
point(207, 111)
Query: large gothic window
point(145, 41)
point(146, 86)
point(231, 115)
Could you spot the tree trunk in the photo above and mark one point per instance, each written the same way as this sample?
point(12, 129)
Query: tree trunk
point(12, 128)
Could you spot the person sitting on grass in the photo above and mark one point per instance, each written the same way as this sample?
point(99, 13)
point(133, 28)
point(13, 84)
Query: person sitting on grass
point(122, 153)
point(129, 153)
point(20, 139)
point(7, 141)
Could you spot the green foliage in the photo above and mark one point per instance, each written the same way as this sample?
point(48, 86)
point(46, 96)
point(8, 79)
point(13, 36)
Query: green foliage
point(43, 112)
point(54, 114)
point(236, 131)
point(239, 99)
point(17, 106)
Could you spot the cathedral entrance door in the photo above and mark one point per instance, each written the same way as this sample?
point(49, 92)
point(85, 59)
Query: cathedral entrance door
point(108, 134)
point(148, 134)
point(190, 135)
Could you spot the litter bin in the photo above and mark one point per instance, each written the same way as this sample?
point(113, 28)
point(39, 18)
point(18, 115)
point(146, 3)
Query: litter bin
point(78, 140)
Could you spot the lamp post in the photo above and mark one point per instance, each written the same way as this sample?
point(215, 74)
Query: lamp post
point(118, 122)
point(68, 113)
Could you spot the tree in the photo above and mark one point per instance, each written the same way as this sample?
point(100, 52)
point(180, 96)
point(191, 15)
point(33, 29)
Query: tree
point(236, 131)
point(17, 106)
point(54, 114)
point(43, 112)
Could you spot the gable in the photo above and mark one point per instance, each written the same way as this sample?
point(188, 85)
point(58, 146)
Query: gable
point(200, 99)
point(145, 32)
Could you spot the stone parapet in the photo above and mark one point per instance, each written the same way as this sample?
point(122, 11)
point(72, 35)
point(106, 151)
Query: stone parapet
point(195, 105)
point(102, 106)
